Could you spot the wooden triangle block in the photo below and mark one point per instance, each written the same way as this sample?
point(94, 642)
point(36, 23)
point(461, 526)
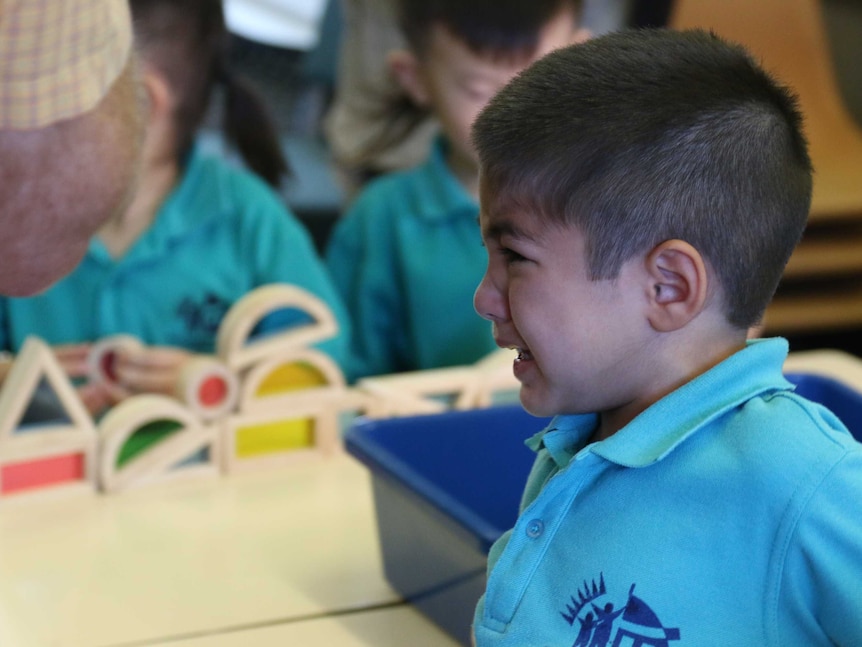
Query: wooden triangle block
point(416, 392)
point(54, 456)
point(438, 390)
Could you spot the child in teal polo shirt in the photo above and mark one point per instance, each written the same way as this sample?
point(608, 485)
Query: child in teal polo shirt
point(199, 233)
point(407, 256)
point(641, 194)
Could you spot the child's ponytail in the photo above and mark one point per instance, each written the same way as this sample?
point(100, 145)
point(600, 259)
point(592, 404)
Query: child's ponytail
point(188, 42)
point(249, 127)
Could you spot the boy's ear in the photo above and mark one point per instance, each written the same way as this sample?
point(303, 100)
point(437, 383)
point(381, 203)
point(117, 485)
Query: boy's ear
point(677, 285)
point(404, 66)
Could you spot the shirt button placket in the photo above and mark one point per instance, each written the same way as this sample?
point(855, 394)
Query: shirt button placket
point(535, 528)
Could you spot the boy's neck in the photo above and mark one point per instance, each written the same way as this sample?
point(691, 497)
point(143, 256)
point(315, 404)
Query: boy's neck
point(682, 365)
point(155, 183)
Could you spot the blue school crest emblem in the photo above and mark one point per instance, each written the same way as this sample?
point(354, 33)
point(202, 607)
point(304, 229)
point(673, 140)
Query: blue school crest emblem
point(605, 621)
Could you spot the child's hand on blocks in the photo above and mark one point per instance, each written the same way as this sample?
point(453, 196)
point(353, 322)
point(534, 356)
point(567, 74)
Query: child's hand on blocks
point(75, 360)
point(121, 366)
point(129, 367)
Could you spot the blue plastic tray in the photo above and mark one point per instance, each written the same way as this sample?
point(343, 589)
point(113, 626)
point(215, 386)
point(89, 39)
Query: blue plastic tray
point(447, 486)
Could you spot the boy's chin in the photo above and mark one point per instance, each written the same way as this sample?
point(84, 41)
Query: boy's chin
point(534, 405)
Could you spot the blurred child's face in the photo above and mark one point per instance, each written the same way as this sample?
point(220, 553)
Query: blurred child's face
point(456, 83)
point(583, 344)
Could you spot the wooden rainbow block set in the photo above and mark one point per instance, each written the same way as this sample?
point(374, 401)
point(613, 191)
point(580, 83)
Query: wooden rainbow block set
point(259, 401)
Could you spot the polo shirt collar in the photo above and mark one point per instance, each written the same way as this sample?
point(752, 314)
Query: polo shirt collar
point(564, 437)
point(443, 196)
point(658, 430)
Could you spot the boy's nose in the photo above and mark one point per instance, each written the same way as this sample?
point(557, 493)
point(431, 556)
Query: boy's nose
point(488, 301)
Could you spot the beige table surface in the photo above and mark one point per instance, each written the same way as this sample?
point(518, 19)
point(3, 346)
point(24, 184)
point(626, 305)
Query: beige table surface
point(400, 626)
point(192, 558)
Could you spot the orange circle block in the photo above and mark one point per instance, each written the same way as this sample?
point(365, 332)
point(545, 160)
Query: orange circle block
point(212, 391)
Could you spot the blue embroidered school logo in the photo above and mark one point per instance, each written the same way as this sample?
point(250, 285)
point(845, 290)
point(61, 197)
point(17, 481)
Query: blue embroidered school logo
point(203, 315)
point(600, 621)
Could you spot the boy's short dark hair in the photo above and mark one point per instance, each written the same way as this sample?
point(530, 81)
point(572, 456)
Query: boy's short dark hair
point(495, 27)
point(644, 136)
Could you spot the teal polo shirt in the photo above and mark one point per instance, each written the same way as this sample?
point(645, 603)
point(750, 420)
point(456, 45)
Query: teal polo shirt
point(728, 513)
point(407, 258)
point(221, 233)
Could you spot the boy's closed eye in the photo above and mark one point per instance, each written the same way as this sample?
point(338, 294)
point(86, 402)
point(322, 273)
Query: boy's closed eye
point(511, 256)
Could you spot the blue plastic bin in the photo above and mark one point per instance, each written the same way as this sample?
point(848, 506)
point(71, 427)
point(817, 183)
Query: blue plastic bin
point(447, 486)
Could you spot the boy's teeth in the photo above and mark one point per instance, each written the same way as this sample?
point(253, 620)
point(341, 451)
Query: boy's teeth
point(523, 353)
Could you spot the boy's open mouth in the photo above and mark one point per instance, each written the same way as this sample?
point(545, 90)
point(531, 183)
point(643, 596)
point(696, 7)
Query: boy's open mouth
point(523, 354)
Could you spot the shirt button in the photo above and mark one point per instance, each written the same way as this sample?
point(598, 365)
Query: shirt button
point(535, 528)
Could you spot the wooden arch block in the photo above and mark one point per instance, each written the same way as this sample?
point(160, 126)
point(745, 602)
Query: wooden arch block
point(304, 373)
point(55, 456)
point(233, 345)
point(290, 409)
point(151, 438)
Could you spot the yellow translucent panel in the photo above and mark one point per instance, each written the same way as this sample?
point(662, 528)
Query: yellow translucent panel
point(274, 437)
point(291, 377)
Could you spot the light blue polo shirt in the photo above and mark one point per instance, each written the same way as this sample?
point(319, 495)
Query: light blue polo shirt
point(728, 513)
point(407, 258)
point(219, 234)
